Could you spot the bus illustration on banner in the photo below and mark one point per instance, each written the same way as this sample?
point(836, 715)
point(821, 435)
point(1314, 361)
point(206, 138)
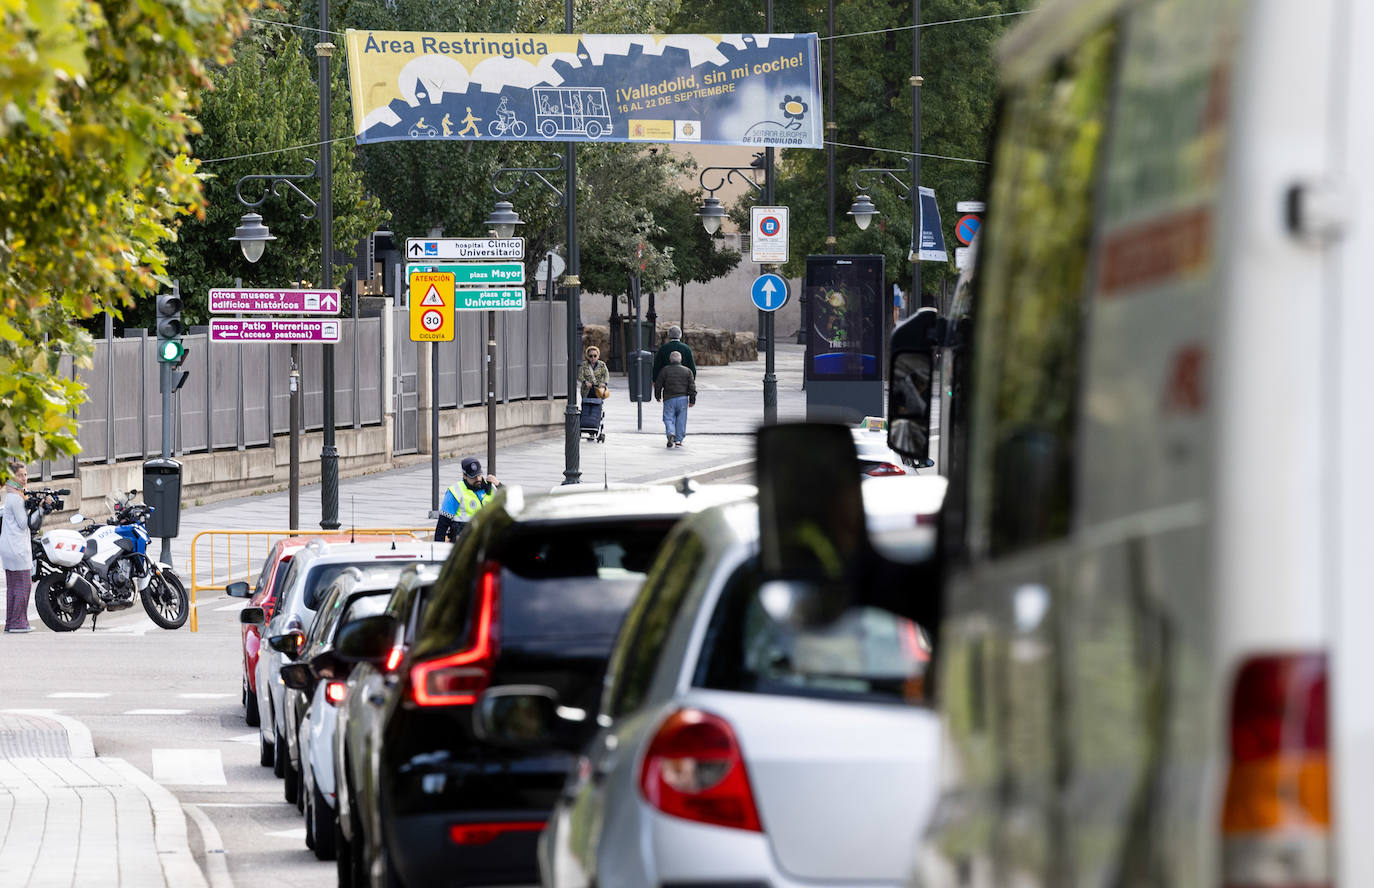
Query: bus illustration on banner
point(571, 110)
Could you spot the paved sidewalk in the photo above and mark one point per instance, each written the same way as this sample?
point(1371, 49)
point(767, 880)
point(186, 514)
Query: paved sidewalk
point(719, 446)
point(68, 818)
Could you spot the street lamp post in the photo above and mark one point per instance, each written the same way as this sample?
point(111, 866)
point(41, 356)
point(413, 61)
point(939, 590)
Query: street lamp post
point(863, 210)
point(252, 237)
point(711, 214)
point(503, 220)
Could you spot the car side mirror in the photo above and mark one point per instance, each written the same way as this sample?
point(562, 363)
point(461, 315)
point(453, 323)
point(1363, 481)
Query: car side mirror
point(289, 643)
point(296, 676)
point(252, 616)
point(238, 590)
point(526, 717)
point(367, 640)
point(910, 385)
point(327, 664)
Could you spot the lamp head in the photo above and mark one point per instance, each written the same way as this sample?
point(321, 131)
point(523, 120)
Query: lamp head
point(863, 211)
point(503, 219)
point(252, 236)
point(711, 214)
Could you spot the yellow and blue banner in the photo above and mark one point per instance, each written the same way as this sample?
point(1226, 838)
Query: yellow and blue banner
point(730, 89)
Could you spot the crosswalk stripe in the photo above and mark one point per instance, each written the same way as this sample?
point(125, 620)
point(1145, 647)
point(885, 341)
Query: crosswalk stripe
point(158, 712)
point(188, 767)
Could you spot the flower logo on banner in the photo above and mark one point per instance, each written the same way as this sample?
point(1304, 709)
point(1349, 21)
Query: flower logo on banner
point(793, 108)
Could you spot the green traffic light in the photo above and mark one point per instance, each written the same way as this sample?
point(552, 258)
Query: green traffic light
point(170, 351)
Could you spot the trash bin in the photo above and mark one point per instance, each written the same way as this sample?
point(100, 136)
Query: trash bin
point(641, 380)
point(162, 491)
point(627, 340)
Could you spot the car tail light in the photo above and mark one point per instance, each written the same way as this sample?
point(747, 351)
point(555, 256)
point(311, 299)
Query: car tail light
point(483, 833)
point(694, 770)
point(393, 659)
point(878, 470)
point(1276, 823)
point(458, 678)
point(335, 692)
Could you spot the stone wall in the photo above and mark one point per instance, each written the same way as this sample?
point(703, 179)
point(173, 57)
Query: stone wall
point(710, 347)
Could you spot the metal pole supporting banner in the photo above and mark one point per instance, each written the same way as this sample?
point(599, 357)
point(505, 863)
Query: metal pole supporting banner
point(915, 300)
point(572, 457)
point(638, 364)
point(329, 454)
point(770, 379)
point(293, 496)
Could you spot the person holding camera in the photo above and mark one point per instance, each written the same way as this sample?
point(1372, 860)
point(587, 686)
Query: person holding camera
point(16, 552)
point(463, 500)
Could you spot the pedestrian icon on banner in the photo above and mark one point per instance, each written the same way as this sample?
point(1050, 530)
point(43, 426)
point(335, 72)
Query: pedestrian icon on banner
point(432, 297)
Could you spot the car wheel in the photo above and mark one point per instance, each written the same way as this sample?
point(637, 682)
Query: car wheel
point(321, 823)
point(250, 707)
point(265, 756)
point(343, 856)
point(281, 754)
point(291, 777)
point(309, 827)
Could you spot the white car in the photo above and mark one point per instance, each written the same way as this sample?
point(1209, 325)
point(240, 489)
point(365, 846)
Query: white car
point(876, 459)
point(734, 750)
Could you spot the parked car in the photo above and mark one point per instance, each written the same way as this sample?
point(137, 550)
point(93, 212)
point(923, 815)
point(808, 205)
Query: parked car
point(734, 749)
point(317, 684)
point(263, 594)
point(312, 569)
point(357, 734)
point(532, 595)
point(876, 459)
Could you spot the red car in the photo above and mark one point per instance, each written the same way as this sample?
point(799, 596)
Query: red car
point(264, 595)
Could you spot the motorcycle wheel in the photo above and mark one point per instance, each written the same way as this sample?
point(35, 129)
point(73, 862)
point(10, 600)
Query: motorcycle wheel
point(166, 601)
point(60, 610)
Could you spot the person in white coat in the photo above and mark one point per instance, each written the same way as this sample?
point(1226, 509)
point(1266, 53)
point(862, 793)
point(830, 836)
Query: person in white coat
point(16, 552)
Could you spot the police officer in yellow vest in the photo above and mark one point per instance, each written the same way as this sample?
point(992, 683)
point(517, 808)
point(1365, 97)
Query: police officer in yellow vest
point(462, 500)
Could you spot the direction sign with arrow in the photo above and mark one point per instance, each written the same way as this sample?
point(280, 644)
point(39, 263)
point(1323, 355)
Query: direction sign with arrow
point(769, 292)
point(238, 301)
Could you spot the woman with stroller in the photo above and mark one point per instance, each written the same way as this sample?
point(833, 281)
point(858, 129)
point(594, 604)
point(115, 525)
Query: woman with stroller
point(594, 381)
point(593, 376)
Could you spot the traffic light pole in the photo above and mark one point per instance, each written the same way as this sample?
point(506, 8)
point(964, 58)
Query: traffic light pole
point(164, 370)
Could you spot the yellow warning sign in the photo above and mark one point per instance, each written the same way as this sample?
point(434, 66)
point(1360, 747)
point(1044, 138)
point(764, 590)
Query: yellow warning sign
point(431, 306)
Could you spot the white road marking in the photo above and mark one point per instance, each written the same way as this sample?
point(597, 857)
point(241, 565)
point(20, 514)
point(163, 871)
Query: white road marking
point(158, 712)
point(205, 696)
point(215, 863)
point(130, 630)
point(78, 695)
point(238, 805)
point(296, 834)
point(236, 606)
point(188, 767)
point(245, 738)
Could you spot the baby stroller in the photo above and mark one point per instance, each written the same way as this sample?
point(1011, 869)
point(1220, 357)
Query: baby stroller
point(594, 419)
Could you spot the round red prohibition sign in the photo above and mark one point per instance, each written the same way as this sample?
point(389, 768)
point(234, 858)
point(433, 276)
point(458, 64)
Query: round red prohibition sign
point(432, 320)
point(769, 225)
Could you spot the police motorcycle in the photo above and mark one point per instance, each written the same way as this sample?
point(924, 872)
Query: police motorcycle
point(103, 567)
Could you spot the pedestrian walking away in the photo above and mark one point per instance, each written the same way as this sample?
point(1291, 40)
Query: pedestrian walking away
point(463, 499)
point(674, 344)
point(16, 552)
point(676, 387)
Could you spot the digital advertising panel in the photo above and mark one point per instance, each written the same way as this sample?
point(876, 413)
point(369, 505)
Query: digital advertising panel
point(844, 309)
point(734, 89)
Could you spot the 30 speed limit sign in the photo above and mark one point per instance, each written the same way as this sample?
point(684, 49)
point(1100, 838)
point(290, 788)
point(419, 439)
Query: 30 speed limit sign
point(431, 306)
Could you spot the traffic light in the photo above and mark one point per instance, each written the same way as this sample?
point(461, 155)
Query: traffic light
point(170, 329)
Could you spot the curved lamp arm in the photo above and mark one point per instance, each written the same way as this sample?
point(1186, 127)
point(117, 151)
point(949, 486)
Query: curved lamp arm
point(275, 181)
point(526, 176)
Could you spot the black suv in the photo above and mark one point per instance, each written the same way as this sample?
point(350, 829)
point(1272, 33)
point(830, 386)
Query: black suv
point(533, 593)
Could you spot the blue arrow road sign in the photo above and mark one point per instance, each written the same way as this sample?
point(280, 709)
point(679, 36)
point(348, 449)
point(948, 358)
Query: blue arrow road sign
point(769, 292)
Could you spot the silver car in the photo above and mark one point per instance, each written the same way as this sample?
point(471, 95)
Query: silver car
point(733, 749)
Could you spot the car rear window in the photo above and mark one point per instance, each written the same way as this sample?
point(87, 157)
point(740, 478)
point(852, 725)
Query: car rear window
point(573, 581)
point(867, 653)
point(321, 575)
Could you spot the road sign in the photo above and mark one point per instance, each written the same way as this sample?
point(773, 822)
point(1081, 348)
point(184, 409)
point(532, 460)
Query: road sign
point(966, 228)
point(431, 306)
point(494, 299)
point(970, 206)
point(769, 292)
point(421, 250)
point(470, 273)
point(768, 235)
point(234, 301)
point(961, 260)
point(541, 272)
point(273, 330)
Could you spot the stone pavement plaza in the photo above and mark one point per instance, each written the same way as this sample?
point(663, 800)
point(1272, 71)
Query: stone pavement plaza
point(72, 817)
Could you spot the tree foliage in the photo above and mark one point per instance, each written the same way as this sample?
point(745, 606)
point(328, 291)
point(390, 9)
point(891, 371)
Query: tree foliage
point(95, 118)
point(262, 118)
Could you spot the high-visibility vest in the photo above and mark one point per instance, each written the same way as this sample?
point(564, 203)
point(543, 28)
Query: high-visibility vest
point(468, 501)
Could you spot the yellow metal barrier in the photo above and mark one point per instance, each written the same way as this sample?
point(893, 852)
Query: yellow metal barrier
point(223, 564)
